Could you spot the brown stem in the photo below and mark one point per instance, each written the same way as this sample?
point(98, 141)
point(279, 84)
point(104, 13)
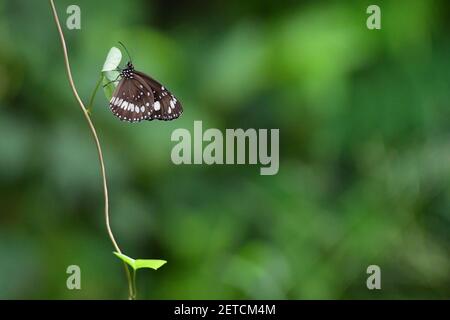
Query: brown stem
point(97, 143)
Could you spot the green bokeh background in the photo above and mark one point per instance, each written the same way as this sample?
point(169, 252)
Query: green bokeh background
point(364, 119)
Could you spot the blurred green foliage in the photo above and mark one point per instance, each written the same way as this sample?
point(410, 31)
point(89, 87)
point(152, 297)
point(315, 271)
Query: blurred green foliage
point(364, 139)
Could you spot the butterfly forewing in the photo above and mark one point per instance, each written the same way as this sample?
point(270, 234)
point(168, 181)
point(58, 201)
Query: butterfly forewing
point(131, 101)
point(139, 97)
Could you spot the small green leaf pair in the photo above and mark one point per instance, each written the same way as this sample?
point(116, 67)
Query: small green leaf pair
point(110, 72)
point(136, 264)
point(109, 76)
point(154, 264)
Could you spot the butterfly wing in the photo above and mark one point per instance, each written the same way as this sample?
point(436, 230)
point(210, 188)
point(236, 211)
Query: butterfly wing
point(132, 100)
point(165, 105)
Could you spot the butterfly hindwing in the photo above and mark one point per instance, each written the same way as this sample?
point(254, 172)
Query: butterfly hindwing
point(166, 106)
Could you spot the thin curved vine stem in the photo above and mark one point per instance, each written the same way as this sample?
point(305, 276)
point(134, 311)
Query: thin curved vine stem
point(91, 100)
point(97, 143)
point(134, 283)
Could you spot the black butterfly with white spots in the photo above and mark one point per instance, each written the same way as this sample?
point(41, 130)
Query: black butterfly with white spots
point(139, 97)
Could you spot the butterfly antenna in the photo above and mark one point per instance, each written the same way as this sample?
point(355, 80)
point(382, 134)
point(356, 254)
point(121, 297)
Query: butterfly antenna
point(128, 53)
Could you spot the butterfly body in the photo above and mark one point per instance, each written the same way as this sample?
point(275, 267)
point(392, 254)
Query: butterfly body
point(138, 97)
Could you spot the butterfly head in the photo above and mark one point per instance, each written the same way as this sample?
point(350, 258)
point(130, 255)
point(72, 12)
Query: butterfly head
point(128, 72)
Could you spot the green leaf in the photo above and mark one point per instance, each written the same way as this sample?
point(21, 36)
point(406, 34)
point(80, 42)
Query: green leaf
point(141, 263)
point(149, 263)
point(126, 259)
point(112, 60)
point(110, 72)
point(108, 87)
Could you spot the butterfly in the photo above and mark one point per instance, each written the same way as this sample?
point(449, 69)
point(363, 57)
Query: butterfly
point(139, 97)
